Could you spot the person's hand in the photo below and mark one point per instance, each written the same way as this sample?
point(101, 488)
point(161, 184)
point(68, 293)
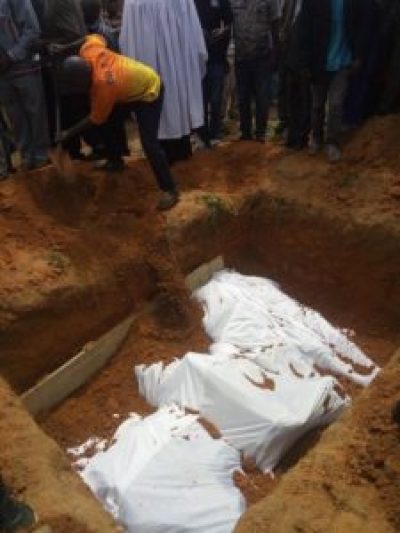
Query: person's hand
point(61, 137)
point(218, 33)
point(55, 49)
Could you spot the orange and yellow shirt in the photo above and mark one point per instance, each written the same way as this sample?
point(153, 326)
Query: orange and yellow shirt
point(116, 79)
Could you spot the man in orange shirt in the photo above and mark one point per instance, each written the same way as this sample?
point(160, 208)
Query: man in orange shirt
point(117, 86)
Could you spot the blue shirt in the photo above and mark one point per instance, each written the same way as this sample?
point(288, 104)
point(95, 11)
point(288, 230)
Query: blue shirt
point(339, 53)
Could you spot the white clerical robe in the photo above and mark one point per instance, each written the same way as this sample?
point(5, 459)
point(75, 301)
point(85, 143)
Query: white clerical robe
point(166, 34)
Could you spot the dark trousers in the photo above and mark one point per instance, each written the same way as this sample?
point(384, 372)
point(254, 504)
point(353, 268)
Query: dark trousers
point(328, 93)
point(294, 103)
point(148, 119)
point(179, 149)
point(253, 79)
point(390, 102)
point(213, 92)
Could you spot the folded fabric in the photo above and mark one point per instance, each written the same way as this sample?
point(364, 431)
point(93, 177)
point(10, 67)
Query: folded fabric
point(164, 473)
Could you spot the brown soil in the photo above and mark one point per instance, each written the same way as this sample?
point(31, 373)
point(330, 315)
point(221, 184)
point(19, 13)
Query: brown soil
point(38, 471)
point(75, 259)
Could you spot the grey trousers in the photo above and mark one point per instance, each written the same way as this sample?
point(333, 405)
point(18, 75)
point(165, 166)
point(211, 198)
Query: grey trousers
point(23, 99)
point(328, 94)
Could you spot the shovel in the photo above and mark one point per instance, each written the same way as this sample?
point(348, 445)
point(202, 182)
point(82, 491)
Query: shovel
point(58, 156)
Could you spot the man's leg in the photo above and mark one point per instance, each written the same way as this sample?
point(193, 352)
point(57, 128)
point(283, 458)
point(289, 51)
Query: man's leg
point(299, 109)
point(148, 118)
point(336, 96)
point(262, 88)
point(319, 92)
point(12, 99)
point(32, 93)
point(204, 131)
point(216, 76)
point(244, 91)
point(284, 95)
point(3, 158)
point(72, 112)
point(113, 135)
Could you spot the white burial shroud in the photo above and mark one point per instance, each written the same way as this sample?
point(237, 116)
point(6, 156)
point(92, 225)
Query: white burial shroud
point(261, 384)
point(166, 474)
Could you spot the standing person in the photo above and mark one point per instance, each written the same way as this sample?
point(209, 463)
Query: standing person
point(255, 32)
point(21, 90)
point(333, 39)
point(96, 23)
point(390, 57)
point(167, 36)
point(113, 13)
point(294, 100)
point(361, 92)
point(61, 21)
point(216, 20)
point(120, 85)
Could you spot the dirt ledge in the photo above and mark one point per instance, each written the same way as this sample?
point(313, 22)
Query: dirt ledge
point(57, 495)
point(350, 482)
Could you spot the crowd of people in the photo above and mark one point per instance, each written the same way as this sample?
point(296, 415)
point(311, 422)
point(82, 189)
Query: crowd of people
point(73, 71)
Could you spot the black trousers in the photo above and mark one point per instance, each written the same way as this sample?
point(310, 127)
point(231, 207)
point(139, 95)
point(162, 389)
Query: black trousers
point(148, 119)
point(253, 80)
point(294, 105)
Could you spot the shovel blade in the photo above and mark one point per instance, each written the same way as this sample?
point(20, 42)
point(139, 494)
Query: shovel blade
point(63, 164)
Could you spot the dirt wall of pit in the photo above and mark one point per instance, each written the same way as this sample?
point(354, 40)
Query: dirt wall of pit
point(336, 264)
point(40, 474)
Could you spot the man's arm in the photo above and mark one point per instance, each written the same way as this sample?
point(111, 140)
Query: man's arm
point(74, 130)
point(56, 48)
point(27, 26)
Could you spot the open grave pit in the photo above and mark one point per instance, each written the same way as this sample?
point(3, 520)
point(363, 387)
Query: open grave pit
point(344, 266)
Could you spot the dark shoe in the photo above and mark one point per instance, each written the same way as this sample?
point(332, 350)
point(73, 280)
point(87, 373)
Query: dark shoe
point(41, 163)
point(245, 137)
point(116, 165)
point(95, 155)
point(280, 129)
point(14, 515)
point(296, 145)
point(167, 200)
point(314, 147)
point(261, 139)
point(77, 156)
point(333, 153)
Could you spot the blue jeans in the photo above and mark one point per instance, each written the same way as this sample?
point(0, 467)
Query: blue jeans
point(253, 79)
point(213, 91)
point(23, 99)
